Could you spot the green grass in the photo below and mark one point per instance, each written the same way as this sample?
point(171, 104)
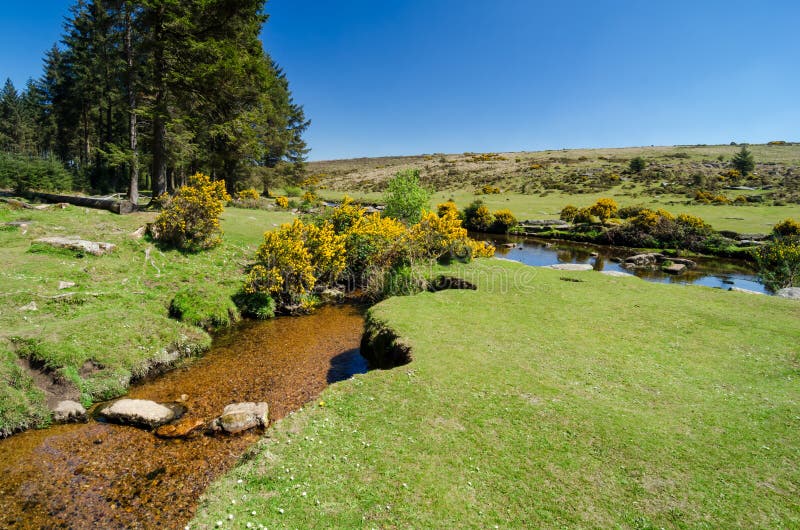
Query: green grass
point(535, 402)
point(117, 315)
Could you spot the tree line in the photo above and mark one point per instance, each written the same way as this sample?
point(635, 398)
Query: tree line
point(147, 92)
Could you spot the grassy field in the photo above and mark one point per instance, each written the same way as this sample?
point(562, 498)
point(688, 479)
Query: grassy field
point(537, 185)
point(113, 325)
point(540, 403)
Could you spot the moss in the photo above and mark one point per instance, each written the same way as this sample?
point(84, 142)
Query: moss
point(207, 308)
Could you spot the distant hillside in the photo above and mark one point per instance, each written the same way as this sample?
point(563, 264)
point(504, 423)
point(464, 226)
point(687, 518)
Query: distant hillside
point(676, 170)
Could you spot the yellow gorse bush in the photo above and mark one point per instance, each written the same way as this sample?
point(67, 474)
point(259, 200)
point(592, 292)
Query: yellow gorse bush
point(249, 193)
point(293, 258)
point(190, 219)
point(282, 202)
point(433, 235)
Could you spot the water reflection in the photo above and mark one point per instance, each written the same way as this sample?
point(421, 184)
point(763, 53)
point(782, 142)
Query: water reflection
point(710, 272)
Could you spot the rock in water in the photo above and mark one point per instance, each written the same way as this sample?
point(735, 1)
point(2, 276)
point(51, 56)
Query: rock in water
point(138, 412)
point(69, 411)
point(180, 429)
point(238, 417)
point(675, 268)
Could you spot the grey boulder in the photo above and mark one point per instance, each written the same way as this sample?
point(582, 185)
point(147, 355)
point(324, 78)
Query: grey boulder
point(238, 417)
point(138, 412)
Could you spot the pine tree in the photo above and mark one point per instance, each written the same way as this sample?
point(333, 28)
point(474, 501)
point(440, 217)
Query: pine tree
point(744, 161)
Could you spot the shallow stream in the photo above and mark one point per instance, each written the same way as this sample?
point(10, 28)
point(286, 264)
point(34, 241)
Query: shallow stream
point(98, 475)
point(711, 272)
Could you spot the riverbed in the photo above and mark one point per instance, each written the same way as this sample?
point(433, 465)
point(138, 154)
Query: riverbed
point(98, 475)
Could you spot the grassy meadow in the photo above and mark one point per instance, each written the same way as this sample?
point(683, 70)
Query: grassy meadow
point(536, 402)
point(537, 185)
point(114, 324)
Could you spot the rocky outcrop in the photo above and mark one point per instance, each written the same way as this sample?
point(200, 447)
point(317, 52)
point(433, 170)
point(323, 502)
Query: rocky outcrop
point(674, 268)
point(139, 412)
point(792, 293)
point(69, 411)
point(651, 260)
point(78, 245)
point(239, 417)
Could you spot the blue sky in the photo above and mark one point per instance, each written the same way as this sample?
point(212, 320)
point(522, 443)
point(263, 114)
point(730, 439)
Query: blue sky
point(410, 77)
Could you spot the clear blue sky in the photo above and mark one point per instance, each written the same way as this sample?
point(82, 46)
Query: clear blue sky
point(409, 77)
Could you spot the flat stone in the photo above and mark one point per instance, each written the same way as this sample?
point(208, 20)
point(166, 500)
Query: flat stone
point(792, 293)
point(81, 245)
point(65, 285)
point(238, 417)
point(139, 412)
point(571, 267)
point(29, 307)
point(644, 260)
point(675, 268)
point(69, 411)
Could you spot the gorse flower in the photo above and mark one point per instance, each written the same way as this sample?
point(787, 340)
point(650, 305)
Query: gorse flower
point(190, 219)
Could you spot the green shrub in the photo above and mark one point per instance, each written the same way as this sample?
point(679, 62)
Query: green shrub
point(22, 173)
point(405, 197)
point(293, 191)
point(637, 164)
point(260, 306)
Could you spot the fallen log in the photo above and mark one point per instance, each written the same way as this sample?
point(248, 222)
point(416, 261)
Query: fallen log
point(113, 205)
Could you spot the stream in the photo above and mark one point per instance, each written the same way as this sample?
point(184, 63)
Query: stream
point(710, 272)
point(99, 475)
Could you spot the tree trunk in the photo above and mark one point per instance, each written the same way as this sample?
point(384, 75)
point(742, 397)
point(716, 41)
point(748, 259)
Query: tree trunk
point(133, 186)
point(160, 114)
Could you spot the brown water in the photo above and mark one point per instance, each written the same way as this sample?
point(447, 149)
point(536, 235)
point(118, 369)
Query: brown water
point(98, 475)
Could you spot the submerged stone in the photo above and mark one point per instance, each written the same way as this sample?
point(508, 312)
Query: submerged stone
point(138, 412)
point(69, 411)
point(238, 417)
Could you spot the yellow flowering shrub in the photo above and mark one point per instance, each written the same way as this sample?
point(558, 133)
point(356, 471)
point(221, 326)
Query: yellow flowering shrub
point(190, 219)
point(504, 220)
point(344, 216)
point(779, 262)
point(433, 236)
point(604, 209)
point(249, 193)
point(786, 228)
point(310, 197)
point(694, 222)
point(445, 207)
point(293, 258)
point(282, 202)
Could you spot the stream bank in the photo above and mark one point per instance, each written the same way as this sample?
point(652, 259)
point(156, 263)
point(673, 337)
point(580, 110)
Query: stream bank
point(108, 476)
